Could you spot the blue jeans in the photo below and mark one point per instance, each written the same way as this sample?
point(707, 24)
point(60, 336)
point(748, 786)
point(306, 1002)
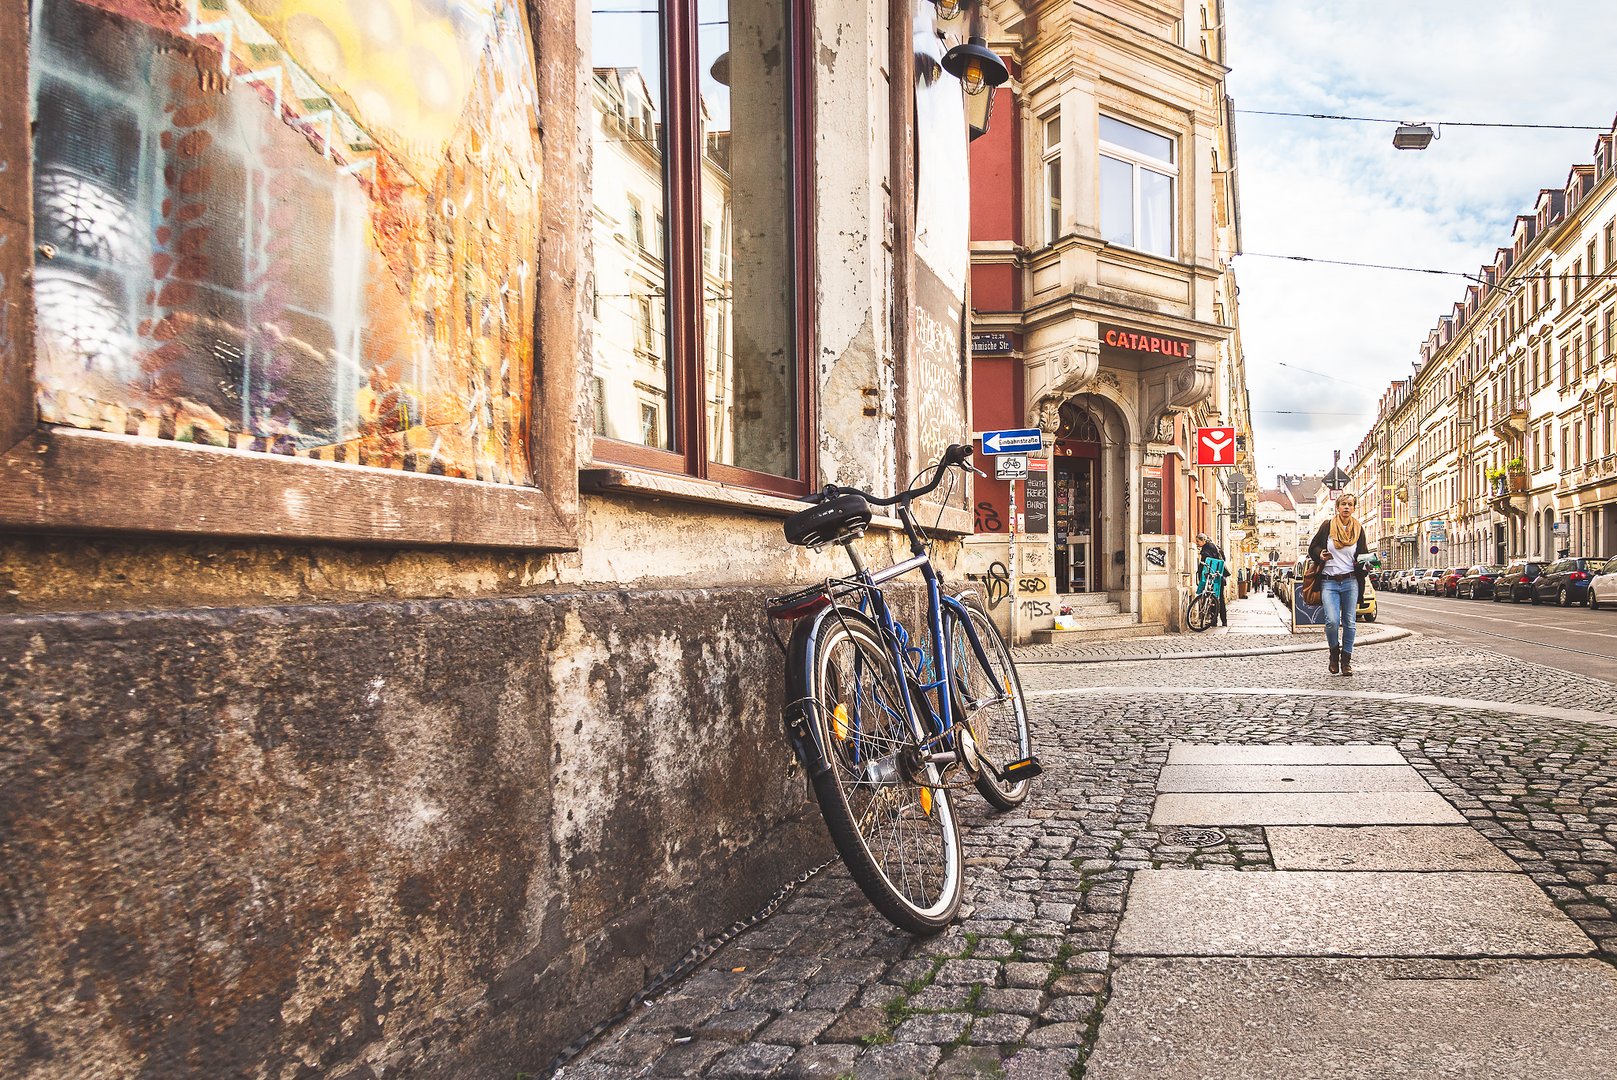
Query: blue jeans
point(1341, 599)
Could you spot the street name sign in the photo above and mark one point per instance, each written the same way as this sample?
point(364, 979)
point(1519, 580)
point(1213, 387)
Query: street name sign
point(1010, 467)
point(1014, 441)
point(1215, 446)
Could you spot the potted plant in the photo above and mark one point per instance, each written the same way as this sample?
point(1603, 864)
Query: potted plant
point(1516, 468)
point(1496, 480)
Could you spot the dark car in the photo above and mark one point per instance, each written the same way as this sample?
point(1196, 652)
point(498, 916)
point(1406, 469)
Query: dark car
point(1449, 583)
point(1478, 582)
point(1516, 582)
point(1566, 581)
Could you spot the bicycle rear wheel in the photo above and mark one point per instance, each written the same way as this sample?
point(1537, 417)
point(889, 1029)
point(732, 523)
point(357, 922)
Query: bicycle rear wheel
point(991, 703)
point(888, 813)
point(1199, 613)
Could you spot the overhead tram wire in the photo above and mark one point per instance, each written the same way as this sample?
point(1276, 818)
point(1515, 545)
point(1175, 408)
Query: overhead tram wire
point(1434, 123)
point(1513, 282)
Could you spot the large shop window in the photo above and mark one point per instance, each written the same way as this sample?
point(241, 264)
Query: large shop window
point(699, 324)
point(290, 229)
point(1137, 171)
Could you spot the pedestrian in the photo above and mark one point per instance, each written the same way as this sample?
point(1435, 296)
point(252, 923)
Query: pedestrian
point(1210, 550)
point(1343, 555)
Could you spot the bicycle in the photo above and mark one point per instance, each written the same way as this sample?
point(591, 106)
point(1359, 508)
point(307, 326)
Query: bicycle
point(1202, 609)
point(886, 728)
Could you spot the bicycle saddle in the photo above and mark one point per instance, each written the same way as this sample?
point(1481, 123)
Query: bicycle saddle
point(828, 521)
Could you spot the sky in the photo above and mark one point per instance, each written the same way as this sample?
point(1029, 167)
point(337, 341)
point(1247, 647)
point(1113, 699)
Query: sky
point(1322, 342)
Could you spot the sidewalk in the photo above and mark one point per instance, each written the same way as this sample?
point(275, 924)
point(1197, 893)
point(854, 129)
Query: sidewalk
point(1259, 625)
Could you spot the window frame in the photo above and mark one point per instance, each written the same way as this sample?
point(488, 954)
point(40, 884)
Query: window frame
point(61, 479)
point(682, 210)
point(1051, 155)
point(1137, 161)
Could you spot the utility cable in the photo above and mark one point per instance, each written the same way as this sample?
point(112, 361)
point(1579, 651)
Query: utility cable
point(1433, 123)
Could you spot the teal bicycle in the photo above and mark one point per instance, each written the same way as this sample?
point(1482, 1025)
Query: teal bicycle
point(1202, 610)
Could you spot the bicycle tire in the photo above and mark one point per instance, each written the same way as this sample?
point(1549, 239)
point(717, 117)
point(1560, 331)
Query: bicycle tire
point(1199, 612)
point(893, 824)
point(990, 703)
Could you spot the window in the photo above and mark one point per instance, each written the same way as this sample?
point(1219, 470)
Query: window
point(1590, 263)
point(1577, 277)
point(1611, 244)
point(243, 263)
point(700, 342)
point(1137, 171)
point(1052, 179)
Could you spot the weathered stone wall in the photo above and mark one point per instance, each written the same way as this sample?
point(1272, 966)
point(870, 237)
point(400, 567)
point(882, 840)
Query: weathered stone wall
point(427, 837)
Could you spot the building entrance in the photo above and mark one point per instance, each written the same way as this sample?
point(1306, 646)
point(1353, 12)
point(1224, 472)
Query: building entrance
point(1076, 569)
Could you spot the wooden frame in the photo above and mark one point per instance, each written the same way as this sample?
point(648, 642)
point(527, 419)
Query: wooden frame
point(63, 479)
point(684, 263)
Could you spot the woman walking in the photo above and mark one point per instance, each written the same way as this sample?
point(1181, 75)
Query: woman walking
point(1340, 549)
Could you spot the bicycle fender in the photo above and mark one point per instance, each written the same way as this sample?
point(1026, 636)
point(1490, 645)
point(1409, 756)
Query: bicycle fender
point(801, 730)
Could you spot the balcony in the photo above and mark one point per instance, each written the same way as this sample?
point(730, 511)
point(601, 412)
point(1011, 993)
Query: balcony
point(1511, 420)
point(1508, 494)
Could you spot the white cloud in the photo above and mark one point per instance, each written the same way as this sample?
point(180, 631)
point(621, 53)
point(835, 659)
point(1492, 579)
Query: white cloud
point(1340, 191)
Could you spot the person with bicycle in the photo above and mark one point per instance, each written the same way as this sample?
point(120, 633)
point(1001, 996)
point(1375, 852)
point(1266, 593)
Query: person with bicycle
point(1343, 554)
point(1210, 550)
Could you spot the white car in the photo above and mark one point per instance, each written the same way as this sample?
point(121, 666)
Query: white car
point(1602, 585)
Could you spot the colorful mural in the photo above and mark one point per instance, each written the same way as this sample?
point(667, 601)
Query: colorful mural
point(290, 226)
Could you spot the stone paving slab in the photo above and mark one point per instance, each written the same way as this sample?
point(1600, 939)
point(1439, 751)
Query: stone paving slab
point(1385, 847)
point(1186, 1019)
point(1289, 778)
point(1319, 913)
point(1285, 754)
point(1305, 808)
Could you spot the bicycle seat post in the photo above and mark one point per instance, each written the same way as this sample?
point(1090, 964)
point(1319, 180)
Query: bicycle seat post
point(853, 556)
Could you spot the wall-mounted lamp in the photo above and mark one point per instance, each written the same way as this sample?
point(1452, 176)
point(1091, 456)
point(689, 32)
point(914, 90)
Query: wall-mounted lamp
point(980, 70)
point(1413, 136)
point(949, 10)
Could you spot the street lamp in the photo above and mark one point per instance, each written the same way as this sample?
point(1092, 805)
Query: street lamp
point(1413, 136)
point(980, 70)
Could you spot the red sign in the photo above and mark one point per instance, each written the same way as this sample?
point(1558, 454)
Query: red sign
point(1146, 343)
point(1215, 446)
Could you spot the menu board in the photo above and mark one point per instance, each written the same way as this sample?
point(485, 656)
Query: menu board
point(1037, 491)
point(1151, 504)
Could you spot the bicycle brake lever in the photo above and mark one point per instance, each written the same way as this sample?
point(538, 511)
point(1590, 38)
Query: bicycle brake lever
point(978, 471)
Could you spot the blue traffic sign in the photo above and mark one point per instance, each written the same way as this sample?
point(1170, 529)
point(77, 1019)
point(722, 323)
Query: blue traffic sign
point(1016, 441)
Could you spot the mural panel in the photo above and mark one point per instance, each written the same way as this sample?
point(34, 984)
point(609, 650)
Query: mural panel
point(299, 227)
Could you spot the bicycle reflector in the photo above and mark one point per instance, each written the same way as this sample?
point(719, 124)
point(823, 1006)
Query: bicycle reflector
point(1026, 769)
point(839, 722)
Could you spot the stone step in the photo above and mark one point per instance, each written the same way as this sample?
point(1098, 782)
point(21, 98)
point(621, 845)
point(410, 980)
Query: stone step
point(1129, 629)
point(1086, 599)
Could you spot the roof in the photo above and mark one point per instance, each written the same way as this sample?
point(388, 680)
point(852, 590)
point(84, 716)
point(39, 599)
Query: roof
point(1303, 488)
point(1275, 495)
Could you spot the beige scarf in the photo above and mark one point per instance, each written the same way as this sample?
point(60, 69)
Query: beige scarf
point(1344, 536)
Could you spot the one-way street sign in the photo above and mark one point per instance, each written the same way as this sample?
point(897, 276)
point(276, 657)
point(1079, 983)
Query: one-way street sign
point(1015, 441)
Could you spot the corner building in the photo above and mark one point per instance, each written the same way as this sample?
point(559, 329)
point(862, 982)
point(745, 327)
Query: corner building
point(1104, 214)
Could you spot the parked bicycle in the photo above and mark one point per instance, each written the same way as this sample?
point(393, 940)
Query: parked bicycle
point(1202, 609)
point(888, 724)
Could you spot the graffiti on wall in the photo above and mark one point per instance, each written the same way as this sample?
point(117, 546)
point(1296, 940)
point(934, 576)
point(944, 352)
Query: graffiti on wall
point(290, 226)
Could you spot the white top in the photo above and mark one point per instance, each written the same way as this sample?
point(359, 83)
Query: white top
point(1339, 560)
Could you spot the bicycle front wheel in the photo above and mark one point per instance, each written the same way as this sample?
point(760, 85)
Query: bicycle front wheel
point(887, 812)
point(991, 702)
point(1199, 613)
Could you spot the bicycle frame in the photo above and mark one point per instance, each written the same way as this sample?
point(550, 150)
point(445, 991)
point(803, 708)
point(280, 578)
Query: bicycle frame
point(931, 727)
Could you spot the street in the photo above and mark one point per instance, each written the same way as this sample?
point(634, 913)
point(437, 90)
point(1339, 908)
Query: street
point(1456, 928)
point(1573, 639)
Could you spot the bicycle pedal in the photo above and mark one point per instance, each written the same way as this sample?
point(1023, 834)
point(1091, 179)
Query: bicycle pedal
point(1026, 769)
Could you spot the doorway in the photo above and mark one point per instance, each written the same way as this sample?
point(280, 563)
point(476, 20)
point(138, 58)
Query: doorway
point(1076, 571)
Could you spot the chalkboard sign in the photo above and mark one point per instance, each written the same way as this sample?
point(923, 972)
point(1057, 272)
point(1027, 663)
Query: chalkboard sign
point(1151, 504)
point(1037, 489)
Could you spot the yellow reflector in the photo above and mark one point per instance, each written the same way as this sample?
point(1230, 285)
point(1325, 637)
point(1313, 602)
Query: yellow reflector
point(839, 722)
point(926, 801)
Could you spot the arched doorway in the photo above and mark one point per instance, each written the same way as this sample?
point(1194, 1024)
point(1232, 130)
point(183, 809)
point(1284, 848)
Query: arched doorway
point(1088, 497)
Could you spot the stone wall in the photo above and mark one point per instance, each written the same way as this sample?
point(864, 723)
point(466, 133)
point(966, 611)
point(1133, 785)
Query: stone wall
point(429, 837)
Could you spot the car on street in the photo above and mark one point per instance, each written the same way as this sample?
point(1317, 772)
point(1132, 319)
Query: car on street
point(1426, 579)
point(1516, 582)
point(1603, 587)
point(1478, 582)
point(1566, 581)
point(1449, 583)
point(1400, 580)
point(1367, 601)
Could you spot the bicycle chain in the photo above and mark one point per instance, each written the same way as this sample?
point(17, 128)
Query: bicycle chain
point(683, 967)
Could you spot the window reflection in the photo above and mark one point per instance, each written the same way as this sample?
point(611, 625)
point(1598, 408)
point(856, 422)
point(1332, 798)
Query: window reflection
point(746, 211)
point(631, 351)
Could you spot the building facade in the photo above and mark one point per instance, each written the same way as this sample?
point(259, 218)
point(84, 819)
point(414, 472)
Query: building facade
point(1501, 445)
point(1104, 217)
point(399, 405)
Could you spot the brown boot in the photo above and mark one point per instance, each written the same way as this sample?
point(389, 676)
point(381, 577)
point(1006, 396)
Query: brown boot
point(1347, 663)
point(1336, 661)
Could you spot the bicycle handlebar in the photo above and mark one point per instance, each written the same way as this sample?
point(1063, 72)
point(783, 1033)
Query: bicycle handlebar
point(956, 455)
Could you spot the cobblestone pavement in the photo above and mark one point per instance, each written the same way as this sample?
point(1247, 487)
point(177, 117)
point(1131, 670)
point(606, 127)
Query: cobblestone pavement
point(825, 988)
point(1178, 644)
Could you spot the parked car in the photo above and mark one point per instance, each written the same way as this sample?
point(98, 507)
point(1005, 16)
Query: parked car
point(1448, 583)
point(1426, 579)
point(1516, 582)
point(1602, 586)
point(1400, 580)
point(1478, 582)
point(1566, 581)
point(1367, 601)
